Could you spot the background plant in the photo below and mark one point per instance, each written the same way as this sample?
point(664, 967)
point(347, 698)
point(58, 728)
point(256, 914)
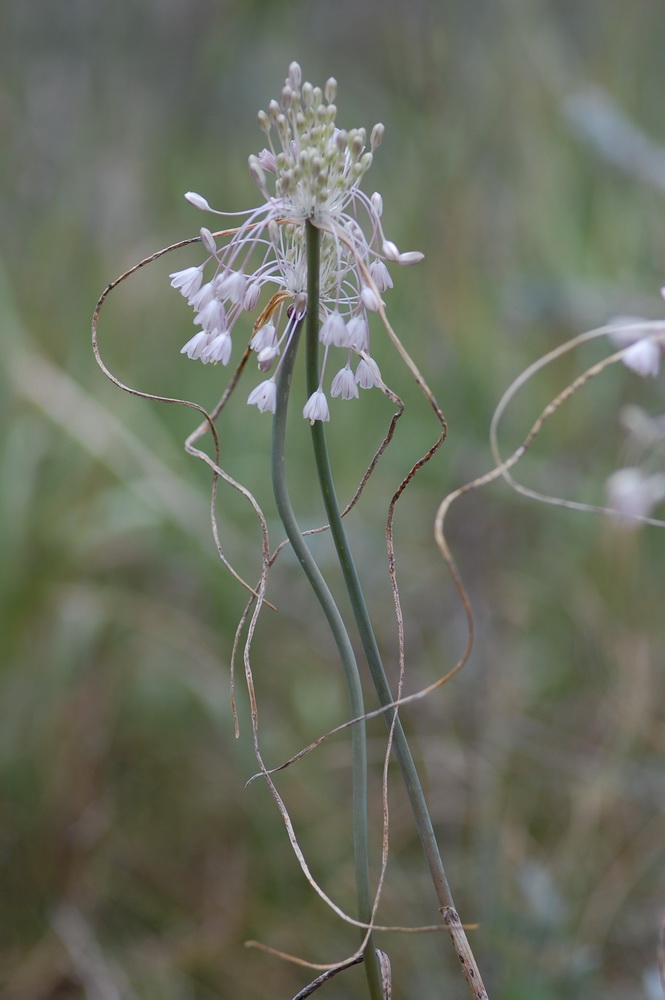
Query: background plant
point(123, 786)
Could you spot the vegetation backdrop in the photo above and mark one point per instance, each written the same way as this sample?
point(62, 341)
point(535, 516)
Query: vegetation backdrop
point(524, 155)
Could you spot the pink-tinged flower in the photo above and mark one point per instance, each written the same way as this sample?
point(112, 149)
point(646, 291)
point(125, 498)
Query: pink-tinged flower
point(643, 353)
point(310, 171)
point(643, 357)
point(358, 333)
point(264, 337)
point(316, 407)
point(333, 331)
point(212, 317)
point(197, 201)
point(218, 350)
point(264, 396)
point(200, 299)
point(367, 374)
point(370, 299)
point(188, 281)
point(231, 285)
point(266, 356)
point(344, 384)
point(251, 296)
point(194, 348)
point(381, 275)
point(633, 494)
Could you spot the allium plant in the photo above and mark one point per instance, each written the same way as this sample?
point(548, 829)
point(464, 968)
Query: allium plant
point(312, 259)
point(312, 262)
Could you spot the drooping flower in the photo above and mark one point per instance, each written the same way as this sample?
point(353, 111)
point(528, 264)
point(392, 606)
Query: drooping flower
point(632, 493)
point(264, 396)
point(316, 407)
point(194, 348)
point(334, 331)
point(344, 384)
point(311, 171)
point(367, 374)
point(644, 353)
point(219, 349)
point(187, 281)
point(358, 333)
point(643, 357)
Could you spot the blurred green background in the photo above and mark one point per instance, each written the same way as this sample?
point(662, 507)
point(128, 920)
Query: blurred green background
point(522, 155)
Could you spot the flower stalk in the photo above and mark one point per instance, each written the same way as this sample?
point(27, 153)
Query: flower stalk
point(342, 641)
point(365, 628)
point(368, 638)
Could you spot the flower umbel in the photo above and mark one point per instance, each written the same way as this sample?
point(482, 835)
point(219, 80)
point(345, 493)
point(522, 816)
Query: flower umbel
point(317, 170)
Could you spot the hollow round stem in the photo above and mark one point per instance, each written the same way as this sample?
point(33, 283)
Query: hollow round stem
point(347, 657)
point(367, 636)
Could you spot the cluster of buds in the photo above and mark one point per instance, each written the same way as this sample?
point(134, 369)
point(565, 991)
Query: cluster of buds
point(316, 169)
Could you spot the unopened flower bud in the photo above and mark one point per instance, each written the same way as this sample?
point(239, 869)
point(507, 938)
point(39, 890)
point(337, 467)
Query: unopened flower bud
point(251, 296)
point(300, 304)
point(307, 93)
point(256, 170)
point(330, 89)
point(411, 257)
point(295, 74)
point(342, 140)
point(370, 299)
point(208, 240)
point(287, 97)
point(198, 201)
point(267, 355)
point(356, 144)
point(376, 138)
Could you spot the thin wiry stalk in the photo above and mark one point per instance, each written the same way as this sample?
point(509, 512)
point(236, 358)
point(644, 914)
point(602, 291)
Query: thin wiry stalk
point(343, 643)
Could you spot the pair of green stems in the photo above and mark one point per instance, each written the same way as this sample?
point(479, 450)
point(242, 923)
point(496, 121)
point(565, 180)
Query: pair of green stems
point(338, 628)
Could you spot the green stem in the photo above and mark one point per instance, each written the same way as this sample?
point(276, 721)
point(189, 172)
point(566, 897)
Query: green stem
point(368, 639)
point(343, 643)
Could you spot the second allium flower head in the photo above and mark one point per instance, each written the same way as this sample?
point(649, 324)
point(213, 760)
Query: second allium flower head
point(317, 170)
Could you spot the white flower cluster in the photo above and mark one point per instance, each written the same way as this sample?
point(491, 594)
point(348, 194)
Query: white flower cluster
point(317, 170)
